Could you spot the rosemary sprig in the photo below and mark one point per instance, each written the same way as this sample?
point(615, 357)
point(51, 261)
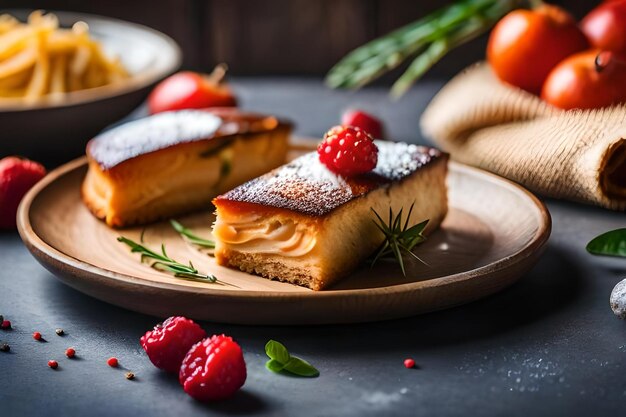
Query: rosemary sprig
point(166, 264)
point(429, 39)
point(190, 236)
point(399, 238)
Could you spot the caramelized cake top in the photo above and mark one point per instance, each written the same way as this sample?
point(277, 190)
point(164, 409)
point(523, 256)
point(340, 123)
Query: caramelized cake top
point(306, 186)
point(164, 130)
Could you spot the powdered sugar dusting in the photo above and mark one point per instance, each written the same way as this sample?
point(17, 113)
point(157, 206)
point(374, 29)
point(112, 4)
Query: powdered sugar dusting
point(152, 134)
point(307, 186)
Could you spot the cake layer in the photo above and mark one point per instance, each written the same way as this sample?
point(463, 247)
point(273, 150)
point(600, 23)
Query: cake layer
point(295, 241)
point(173, 163)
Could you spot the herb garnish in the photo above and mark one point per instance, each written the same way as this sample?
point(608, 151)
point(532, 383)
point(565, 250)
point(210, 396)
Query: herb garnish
point(611, 243)
point(428, 39)
point(191, 237)
point(398, 238)
point(281, 360)
point(164, 263)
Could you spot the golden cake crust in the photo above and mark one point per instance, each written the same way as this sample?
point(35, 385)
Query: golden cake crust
point(167, 131)
point(306, 186)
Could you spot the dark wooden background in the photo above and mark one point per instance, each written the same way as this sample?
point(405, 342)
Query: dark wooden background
point(274, 37)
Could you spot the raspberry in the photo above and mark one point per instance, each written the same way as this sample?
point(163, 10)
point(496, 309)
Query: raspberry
point(170, 341)
point(364, 121)
point(348, 151)
point(17, 176)
point(213, 369)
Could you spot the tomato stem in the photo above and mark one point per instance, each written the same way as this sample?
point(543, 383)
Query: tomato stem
point(218, 74)
point(535, 4)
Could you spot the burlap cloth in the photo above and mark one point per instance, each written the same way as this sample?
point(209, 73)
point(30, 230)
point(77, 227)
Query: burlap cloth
point(574, 155)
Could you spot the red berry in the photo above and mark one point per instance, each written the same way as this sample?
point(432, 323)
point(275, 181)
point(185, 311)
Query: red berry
point(37, 336)
point(364, 121)
point(213, 369)
point(6, 324)
point(409, 363)
point(112, 362)
point(53, 364)
point(348, 151)
point(70, 352)
point(17, 176)
point(168, 343)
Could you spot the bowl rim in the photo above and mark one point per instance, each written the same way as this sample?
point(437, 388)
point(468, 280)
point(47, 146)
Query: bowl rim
point(135, 82)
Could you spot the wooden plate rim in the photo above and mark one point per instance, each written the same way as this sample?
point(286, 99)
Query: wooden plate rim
point(62, 261)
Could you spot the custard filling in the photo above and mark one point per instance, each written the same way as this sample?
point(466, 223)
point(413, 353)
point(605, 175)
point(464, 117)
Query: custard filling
point(254, 234)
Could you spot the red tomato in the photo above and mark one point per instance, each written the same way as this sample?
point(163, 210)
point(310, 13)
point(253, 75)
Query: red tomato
point(190, 90)
point(605, 26)
point(526, 44)
point(587, 80)
point(365, 121)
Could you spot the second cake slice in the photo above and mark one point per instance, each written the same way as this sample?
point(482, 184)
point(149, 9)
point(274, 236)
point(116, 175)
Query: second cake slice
point(305, 225)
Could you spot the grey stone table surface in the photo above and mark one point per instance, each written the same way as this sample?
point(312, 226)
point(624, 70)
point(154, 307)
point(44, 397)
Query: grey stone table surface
point(549, 345)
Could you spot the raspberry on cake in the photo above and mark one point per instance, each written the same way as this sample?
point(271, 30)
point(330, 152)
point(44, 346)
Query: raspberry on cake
point(348, 150)
point(303, 224)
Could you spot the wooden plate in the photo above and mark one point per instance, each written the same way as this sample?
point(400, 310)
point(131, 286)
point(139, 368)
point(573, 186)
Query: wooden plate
point(493, 234)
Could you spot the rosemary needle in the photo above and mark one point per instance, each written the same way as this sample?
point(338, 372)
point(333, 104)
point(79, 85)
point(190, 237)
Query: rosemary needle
point(399, 238)
point(190, 236)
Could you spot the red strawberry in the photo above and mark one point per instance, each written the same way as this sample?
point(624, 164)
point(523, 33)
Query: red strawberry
point(213, 369)
point(17, 176)
point(364, 121)
point(168, 343)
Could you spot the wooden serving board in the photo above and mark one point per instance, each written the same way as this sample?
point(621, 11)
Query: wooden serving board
point(493, 234)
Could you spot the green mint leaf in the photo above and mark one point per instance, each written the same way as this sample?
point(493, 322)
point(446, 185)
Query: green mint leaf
point(611, 243)
point(277, 351)
point(274, 366)
point(301, 367)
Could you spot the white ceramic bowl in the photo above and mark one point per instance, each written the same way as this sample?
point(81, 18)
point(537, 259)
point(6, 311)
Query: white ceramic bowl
point(58, 130)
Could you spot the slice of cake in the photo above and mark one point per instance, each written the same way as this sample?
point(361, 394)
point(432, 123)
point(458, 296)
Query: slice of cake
point(305, 225)
point(176, 162)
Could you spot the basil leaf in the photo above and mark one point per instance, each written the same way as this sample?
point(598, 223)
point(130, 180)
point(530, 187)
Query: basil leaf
point(301, 367)
point(611, 243)
point(277, 351)
point(274, 366)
